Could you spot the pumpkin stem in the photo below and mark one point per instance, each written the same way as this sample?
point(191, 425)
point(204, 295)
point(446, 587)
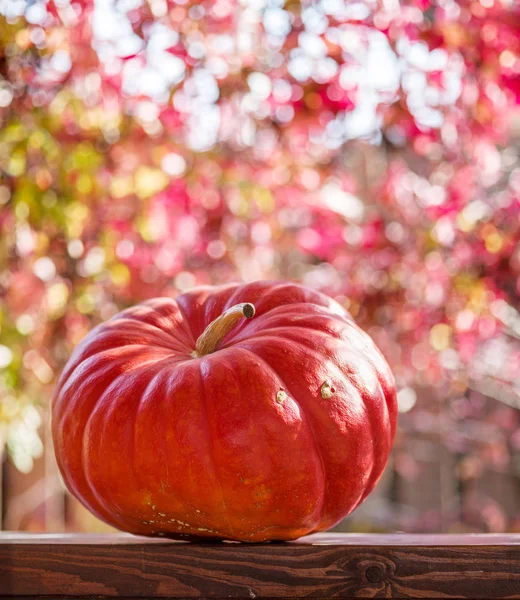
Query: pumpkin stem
point(217, 329)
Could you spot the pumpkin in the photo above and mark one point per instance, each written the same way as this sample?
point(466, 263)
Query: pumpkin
point(245, 412)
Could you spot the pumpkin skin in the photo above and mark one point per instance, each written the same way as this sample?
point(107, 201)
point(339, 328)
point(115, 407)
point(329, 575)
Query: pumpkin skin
point(281, 432)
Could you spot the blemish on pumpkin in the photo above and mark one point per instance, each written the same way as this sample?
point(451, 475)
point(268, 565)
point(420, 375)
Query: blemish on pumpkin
point(327, 390)
point(162, 515)
point(281, 397)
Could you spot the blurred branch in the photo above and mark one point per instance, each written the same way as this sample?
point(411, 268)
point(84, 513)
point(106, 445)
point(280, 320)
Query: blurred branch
point(496, 389)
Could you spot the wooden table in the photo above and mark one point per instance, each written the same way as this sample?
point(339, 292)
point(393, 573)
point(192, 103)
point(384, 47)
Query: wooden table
point(323, 565)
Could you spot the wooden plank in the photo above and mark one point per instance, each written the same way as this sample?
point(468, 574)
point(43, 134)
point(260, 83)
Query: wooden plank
point(323, 565)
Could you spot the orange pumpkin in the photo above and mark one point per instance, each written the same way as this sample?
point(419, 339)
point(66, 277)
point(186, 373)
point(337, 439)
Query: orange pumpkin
point(247, 412)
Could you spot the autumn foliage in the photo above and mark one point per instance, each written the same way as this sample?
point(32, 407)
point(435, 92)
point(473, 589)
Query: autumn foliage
point(366, 149)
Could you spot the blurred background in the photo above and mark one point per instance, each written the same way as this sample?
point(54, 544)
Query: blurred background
point(369, 149)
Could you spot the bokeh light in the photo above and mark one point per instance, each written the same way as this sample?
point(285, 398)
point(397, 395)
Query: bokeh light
point(367, 149)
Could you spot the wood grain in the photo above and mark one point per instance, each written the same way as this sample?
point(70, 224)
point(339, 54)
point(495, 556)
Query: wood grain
point(324, 565)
